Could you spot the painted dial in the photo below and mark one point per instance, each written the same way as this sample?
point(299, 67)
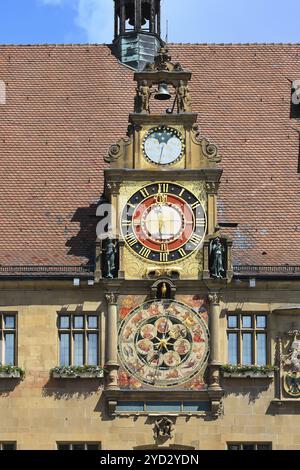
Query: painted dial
point(163, 343)
point(163, 223)
point(163, 145)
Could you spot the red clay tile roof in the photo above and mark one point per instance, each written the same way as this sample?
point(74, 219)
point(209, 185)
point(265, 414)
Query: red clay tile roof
point(67, 104)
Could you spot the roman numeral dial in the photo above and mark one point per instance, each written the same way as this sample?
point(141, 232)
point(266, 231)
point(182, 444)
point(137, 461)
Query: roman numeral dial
point(163, 223)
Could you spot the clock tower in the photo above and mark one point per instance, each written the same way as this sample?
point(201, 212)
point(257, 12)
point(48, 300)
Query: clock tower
point(163, 258)
point(137, 31)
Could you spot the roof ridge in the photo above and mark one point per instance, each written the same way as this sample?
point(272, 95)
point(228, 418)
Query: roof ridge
point(56, 45)
point(170, 44)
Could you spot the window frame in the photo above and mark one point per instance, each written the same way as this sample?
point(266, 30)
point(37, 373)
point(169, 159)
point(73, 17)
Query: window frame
point(4, 330)
point(255, 444)
point(85, 331)
point(10, 443)
point(254, 330)
point(74, 443)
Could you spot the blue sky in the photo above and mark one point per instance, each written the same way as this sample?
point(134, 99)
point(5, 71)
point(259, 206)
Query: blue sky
point(82, 21)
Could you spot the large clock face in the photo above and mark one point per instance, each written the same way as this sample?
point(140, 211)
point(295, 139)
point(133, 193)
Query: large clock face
point(163, 223)
point(163, 145)
point(163, 343)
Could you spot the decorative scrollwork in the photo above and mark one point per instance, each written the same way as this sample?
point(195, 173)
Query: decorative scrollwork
point(197, 133)
point(116, 151)
point(210, 150)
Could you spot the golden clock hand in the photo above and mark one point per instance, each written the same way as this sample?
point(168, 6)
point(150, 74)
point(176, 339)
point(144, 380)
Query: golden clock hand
point(160, 223)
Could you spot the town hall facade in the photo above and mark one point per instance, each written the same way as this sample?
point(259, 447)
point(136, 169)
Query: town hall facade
point(149, 254)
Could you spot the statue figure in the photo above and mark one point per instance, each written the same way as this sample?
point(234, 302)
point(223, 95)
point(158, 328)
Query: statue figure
point(143, 98)
point(184, 98)
point(164, 290)
point(293, 384)
point(217, 251)
point(163, 428)
point(161, 62)
point(110, 258)
point(291, 360)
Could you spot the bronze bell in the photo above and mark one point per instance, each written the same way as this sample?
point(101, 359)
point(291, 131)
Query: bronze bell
point(162, 92)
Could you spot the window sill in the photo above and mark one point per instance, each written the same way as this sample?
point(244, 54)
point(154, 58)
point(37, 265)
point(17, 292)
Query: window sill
point(10, 375)
point(79, 375)
point(248, 375)
point(166, 413)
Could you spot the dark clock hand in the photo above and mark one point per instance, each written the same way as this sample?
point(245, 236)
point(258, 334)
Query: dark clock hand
point(162, 151)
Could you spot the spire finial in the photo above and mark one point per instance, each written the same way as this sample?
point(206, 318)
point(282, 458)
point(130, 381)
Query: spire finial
point(137, 31)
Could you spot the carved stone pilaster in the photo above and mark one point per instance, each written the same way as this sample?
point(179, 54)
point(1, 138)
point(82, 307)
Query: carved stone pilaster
point(121, 273)
point(112, 365)
point(214, 327)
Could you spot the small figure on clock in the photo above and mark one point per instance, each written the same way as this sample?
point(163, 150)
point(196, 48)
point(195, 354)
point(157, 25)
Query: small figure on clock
point(217, 252)
point(110, 258)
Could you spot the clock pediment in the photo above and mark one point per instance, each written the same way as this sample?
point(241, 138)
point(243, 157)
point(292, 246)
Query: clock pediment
point(196, 151)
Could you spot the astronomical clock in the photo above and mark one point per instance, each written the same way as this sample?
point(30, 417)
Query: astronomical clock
point(162, 183)
point(162, 344)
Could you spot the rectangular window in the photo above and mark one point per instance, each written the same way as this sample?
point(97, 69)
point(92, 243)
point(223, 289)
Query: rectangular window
point(261, 341)
point(247, 339)
point(232, 321)
point(78, 349)
point(250, 446)
point(8, 334)
point(92, 349)
point(78, 446)
point(233, 348)
point(64, 345)
point(8, 445)
point(78, 340)
point(247, 348)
